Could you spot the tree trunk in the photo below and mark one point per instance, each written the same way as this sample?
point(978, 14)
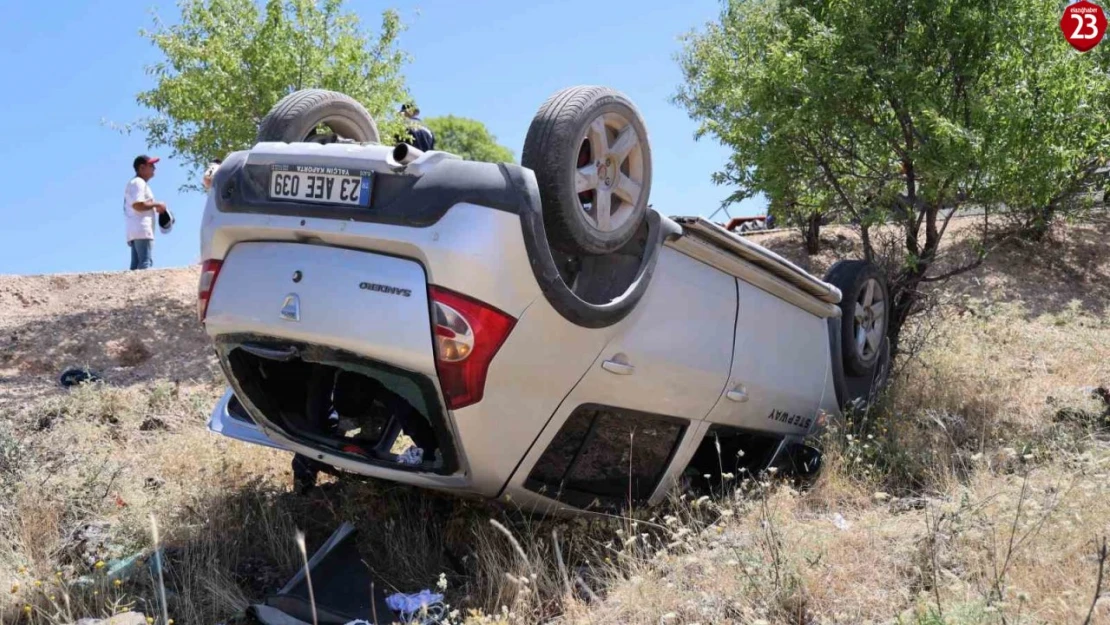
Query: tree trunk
point(904, 293)
point(812, 233)
point(1037, 230)
point(865, 238)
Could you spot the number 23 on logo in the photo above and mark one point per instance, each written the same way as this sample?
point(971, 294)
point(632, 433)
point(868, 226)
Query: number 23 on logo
point(1083, 25)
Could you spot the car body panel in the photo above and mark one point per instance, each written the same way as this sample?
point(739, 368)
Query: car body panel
point(780, 368)
point(323, 295)
point(472, 249)
point(543, 358)
point(678, 343)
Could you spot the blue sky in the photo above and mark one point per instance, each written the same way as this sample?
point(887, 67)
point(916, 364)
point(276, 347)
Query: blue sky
point(70, 64)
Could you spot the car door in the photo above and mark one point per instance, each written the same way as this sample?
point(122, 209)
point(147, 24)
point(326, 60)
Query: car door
point(779, 366)
point(672, 354)
point(639, 409)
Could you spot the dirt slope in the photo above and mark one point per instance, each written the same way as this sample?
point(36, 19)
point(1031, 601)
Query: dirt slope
point(126, 326)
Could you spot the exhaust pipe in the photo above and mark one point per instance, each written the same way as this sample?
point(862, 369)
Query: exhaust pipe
point(404, 153)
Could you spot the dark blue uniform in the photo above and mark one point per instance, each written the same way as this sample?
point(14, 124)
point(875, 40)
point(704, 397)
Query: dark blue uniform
point(421, 137)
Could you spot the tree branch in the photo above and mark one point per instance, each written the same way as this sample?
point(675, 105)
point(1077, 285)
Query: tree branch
point(829, 175)
point(972, 265)
point(1103, 555)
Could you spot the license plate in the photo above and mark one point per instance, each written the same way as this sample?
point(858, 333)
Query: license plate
point(320, 185)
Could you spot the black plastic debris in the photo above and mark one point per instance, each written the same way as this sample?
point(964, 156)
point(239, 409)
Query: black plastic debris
point(74, 376)
point(341, 586)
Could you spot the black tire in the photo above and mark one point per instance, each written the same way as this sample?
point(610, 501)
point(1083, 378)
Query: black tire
point(853, 277)
point(295, 117)
point(557, 145)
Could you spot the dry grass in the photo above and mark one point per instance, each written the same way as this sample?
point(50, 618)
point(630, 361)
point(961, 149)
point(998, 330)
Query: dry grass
point(975, 494)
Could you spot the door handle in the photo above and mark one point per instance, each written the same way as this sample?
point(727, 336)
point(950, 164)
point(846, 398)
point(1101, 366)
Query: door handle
point(619, 368)
point(738, 394)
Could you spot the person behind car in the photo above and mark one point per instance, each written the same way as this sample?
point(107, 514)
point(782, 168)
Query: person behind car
point(139, 207)
point(210, 172)
point(419, 135)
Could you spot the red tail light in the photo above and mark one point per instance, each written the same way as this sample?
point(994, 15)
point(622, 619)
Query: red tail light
point(467, 335)
point(209, 270)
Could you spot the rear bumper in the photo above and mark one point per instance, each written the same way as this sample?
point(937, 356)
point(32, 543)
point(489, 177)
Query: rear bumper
point(223, 422)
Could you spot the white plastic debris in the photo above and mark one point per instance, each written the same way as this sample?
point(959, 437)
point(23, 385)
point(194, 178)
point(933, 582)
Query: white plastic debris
point(424, 604)
point(412, 456)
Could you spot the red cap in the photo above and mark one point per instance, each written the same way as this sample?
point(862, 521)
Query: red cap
point(145, 160)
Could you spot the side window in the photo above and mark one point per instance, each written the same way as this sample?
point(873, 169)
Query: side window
point(602, 455)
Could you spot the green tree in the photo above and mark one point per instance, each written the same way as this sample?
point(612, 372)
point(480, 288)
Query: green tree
point(227, 62)
point(468, 138)
point(898, 110)
point(1052, 108)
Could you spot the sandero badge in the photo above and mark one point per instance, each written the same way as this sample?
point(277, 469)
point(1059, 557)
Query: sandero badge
point(385, 288)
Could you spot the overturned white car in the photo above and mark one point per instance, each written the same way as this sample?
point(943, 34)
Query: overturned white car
point(534, 330)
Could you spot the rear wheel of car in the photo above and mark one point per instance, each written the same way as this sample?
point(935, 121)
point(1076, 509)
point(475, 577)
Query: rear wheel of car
point(589, 149)
point(865, 310)
point(300, 116)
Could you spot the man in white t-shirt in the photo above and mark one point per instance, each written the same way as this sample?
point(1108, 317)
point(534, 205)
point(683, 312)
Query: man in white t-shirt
point(139, 208)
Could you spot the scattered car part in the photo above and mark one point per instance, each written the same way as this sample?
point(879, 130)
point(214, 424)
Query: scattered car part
point(341, 586)
point(76, 375)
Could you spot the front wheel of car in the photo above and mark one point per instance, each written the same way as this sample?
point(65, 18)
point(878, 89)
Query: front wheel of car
point(865, 313)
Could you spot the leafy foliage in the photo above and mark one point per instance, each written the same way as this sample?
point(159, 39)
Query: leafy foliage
point(898, 110)
point(229, 61)
point(1051, 108)
point(468, 138)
